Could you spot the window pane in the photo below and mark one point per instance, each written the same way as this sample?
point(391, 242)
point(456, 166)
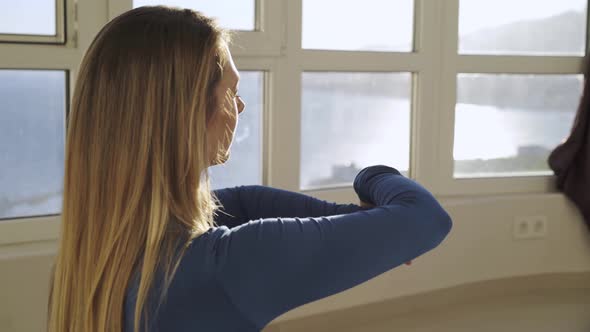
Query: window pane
point(371, 25)
point(32, 130)
point(28, 17)
point(506, 125)
point(245, 163)
point(353, 120)
point(529, 27)
point(232, 14)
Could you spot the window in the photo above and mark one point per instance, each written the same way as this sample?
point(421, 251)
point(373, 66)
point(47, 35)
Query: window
point(32, 21)
point(232, 14)
point(510, 86)
point(536, 27)
point(245, 164)
point(355, 104)
point(508, 124)
point(350, 121)
point(465, 96)
point(371, 25)
point(32, 130)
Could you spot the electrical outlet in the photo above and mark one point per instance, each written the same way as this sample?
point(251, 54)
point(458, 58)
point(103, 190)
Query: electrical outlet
point(530, 227)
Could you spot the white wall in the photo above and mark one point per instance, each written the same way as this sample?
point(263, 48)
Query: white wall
point(480, 248)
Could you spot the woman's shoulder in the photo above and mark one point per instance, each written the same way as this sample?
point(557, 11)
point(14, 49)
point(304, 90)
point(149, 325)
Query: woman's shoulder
point(204, 247)
point(199, 259)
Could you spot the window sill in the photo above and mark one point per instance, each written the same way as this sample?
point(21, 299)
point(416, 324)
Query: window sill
point(29, 230)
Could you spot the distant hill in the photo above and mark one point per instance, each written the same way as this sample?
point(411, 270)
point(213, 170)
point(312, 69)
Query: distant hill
point(515, 36)
point(560, 32)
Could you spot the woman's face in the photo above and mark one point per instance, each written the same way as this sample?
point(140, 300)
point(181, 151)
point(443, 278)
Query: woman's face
point(223, 123)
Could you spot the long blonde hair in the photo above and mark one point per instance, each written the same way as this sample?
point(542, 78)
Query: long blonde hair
point(135, 188)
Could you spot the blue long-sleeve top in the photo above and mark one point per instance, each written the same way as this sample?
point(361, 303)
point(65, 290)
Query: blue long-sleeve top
point(276, 250)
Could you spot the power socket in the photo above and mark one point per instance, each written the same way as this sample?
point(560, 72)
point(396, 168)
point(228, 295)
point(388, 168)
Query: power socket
point(530, 227)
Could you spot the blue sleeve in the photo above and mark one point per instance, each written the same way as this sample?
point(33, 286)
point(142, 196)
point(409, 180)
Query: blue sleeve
point(270, 266)
point(245, 203)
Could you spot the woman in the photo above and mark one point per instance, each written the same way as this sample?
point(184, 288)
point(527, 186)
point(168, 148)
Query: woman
point(141, 246)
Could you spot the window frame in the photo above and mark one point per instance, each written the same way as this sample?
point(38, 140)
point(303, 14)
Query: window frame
point(343, 186)
point(422, 63)
point(44, 56)
point(435, 62)
point(267, 68)
point(40, 227)
point(454, 64)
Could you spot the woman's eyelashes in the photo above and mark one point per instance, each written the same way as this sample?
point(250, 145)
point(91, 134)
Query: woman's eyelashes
point(234, 93)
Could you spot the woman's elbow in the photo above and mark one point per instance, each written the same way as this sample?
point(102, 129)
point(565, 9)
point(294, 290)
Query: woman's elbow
point(445, 224)
point(440, 225)
point(433, 222)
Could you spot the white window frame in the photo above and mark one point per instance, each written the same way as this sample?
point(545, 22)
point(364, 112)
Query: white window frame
point(58, 38)
point(436, 64)
point(268, 67)
point(454, 64)
point(41, 56)
point(423, 63)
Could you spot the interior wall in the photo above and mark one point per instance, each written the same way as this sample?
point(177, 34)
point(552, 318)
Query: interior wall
point(479, 248)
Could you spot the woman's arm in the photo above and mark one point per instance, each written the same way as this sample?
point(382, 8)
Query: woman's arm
point(270, 266)
point(242, 204)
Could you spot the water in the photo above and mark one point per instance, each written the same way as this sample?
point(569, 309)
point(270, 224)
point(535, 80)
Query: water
point(342, 134)
point(486, 132)
point(341, 131)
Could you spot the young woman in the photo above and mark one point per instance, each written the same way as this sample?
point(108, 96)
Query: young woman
point(146, 246)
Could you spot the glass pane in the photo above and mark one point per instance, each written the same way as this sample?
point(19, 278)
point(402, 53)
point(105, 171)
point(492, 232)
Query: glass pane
point(32, 131)
point(232, 14)
point(245, 163)
point(28, 17)
point(371, 25)
point(526, 27)
point(350, 121)
point(506, 125)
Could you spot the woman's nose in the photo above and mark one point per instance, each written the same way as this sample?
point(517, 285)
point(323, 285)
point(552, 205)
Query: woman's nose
point(241, 105)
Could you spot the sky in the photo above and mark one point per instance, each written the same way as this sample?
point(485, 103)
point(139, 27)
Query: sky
point(34, 17)
point(237, 14)
point(327, 24)
point(478, 14)
point(342, 24)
